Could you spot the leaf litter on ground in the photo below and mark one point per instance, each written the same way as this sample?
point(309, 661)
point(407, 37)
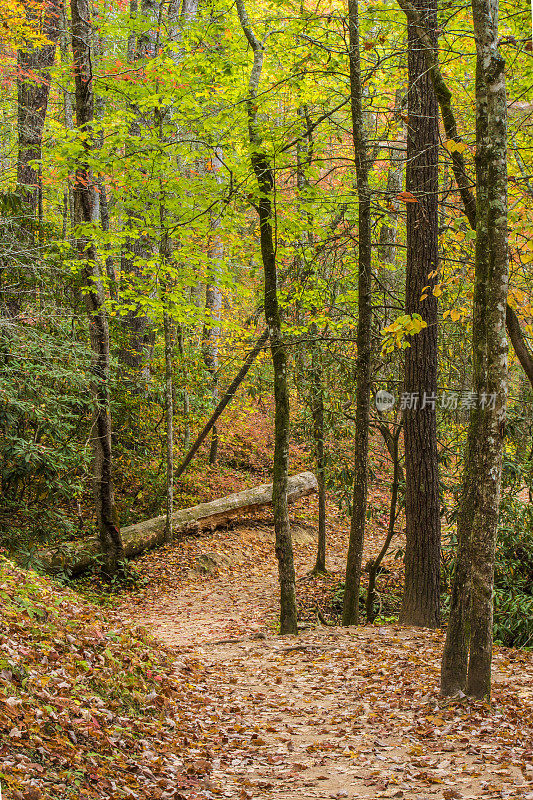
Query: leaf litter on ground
point(218, 705)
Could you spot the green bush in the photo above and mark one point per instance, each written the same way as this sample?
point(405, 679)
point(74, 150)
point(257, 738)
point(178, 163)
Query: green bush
point(45, 422)
point(513, 609)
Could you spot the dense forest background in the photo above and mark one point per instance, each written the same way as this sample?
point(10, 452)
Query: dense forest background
point(177, 179)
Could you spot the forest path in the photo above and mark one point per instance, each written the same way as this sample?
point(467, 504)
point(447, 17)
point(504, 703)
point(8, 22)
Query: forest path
point(334, 712)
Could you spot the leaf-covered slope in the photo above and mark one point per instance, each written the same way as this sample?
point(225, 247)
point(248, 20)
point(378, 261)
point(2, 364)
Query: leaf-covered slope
point(88, 707)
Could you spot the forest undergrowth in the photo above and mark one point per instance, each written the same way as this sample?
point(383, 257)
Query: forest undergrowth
point(181, 687)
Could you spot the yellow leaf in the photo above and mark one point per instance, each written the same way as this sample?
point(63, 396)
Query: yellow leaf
point(437, 291)
point(455, 147)
point(455, 315)
point(423, 297)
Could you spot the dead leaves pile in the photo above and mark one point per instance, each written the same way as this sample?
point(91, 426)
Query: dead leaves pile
point(334, 713)
point(355, 713)
point(88, 707)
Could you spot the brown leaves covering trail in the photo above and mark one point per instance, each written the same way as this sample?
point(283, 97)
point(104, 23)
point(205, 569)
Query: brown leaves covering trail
point(333, 713)
point(222, 707)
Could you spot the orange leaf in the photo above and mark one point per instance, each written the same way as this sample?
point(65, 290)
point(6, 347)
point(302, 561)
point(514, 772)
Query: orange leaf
point(407, 197)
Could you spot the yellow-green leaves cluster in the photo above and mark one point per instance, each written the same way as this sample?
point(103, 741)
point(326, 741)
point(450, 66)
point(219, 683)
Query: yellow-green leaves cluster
point(395, 335)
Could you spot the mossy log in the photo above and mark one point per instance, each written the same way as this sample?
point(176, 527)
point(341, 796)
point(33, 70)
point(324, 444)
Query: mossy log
point(76, 557)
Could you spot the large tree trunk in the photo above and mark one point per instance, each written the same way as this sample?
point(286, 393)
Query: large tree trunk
point(206, 516)
point(421, 599)
point(350, 611)
point(444, 96)
point(33, 90)
point(84, 212)
point(265, 184)
point(466, 663)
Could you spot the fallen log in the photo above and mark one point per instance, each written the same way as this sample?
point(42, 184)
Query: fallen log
point(77, 557)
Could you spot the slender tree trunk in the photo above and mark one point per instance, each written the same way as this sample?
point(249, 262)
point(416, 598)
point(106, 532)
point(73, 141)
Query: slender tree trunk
point(421, 599)
point(304, 157)
point(317, 400)
point(389, 278)
point(169, 419)
point(213, 307)
point(265, 184)
point(185, 391)
point(376, 563)
point(68, 110)
point(33, 89)
point(84, 212)
point(165, 254)
point(225, 399)
point(106, 227)
point(466, 663)
point(350, 611)
point(138, 337)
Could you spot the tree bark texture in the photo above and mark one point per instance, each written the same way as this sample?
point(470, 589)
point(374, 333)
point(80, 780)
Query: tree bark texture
point(464, 184)
point(466, 663)
point(33, 90)
point(84, 212)
point(350, 611)
point(265, 184)
point(421, 598)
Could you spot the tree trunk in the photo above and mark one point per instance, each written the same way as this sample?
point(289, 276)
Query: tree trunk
point(317, 408)
point(84, 206)
point(213, 307)
point(185, 392)
point(33, 89)
point(265, 184)
point(462, 179)
point(304, 159)
point(389, 279)
point(138, 338)
point(376, 563)
point(466, 662)
point(421, 598)
point(68, 114)
point(350, 611)
point(169, 420)
point(226, 398)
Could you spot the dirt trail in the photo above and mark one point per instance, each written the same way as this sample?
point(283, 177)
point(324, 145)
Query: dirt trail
point(332, 713)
